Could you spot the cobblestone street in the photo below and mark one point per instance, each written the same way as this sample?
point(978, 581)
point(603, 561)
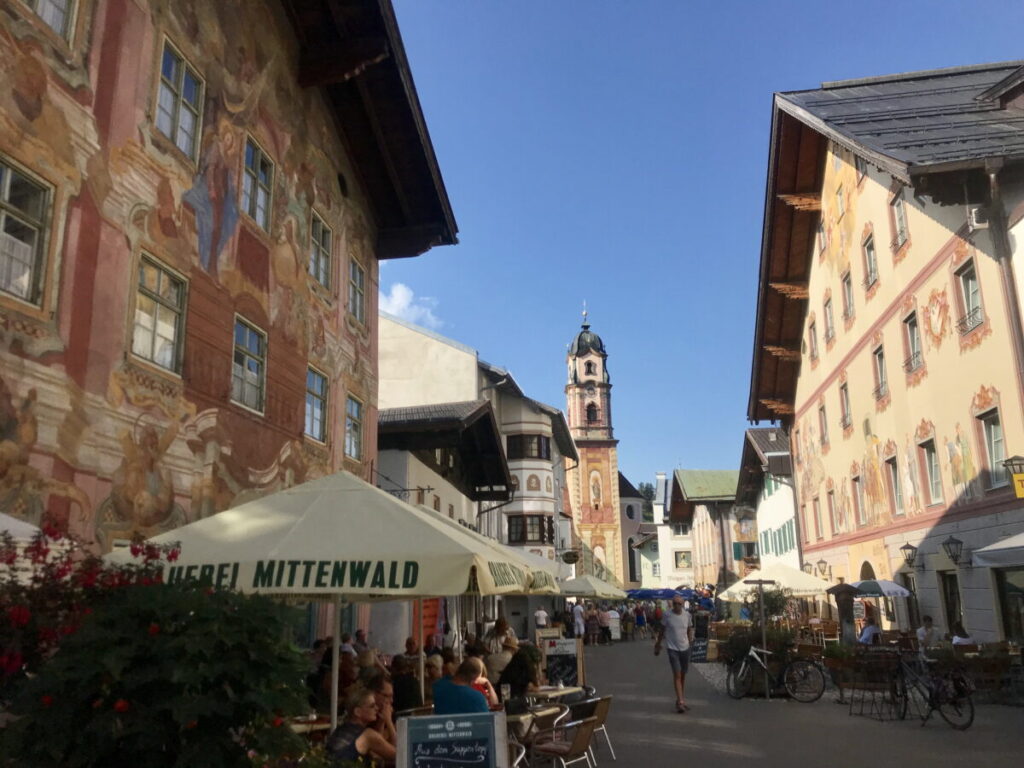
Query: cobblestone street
point(719, 731)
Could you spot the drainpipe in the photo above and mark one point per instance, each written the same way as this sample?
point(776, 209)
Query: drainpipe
point(999, 231)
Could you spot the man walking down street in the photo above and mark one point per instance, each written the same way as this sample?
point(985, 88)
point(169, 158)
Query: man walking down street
point(577, 619)
point(677, 626)
point(540, 616)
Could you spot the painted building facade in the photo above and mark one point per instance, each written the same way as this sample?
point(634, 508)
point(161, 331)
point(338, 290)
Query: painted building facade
point(889, 334)
point(702, 503)
point(188, 263)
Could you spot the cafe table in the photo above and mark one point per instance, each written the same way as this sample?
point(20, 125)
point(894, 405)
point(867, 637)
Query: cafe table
point(554, 693)
point(520, 724)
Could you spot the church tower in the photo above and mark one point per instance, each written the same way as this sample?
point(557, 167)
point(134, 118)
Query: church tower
point(594, 482)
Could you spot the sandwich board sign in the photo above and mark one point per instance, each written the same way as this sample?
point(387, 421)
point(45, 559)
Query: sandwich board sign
point(478, 740)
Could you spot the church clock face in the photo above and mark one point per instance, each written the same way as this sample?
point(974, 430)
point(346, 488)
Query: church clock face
point(591, 390)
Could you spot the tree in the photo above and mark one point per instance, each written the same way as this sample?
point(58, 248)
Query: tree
point(647, 491)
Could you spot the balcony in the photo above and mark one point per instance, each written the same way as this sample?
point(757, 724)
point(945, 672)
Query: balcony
point(881, 390)
point(912, 363)
point(970, 321)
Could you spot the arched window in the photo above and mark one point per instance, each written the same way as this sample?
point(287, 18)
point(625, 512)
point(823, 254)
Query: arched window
point(632, 559)
point(591, 414)
point(629, 512)
point(588, 368)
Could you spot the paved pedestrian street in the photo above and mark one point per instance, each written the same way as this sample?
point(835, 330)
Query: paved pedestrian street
point(719, 732)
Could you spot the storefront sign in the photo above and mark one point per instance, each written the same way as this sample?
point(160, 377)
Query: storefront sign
point(562, 661)
point(1018, 484)
point(453, 741)
point(303, 574)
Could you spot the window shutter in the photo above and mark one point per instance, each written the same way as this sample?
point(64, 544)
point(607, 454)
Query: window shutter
point(737, 551)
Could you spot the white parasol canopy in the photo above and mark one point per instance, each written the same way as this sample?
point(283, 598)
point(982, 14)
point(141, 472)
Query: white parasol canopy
point(1003, 553)
point(785, 577)
point(18, 528)
point(591, 586)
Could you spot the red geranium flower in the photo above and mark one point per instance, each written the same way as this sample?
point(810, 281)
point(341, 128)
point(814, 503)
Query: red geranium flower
point(278, 721)
point(173, 554)
point(122, 705)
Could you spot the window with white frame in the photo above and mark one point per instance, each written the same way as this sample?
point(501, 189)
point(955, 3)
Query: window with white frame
point(159, 316)
point(932, 471)
point(249, 366)
point(320, 251)
point(870, 262)
point(881, 379)
point(56, 14)
point(994, 448)
point(24, 205)
point(858, 500)
point(179, 107)
point(844, 405)
point(680, 529)
point(823, 424)
point(357, 290)
point(316, 405)
point(970, 298)
point(353, 428)
point(847, 296)
point(913, 336)
point(899, 214)
point(830, 326)
point(892, 469)
point(257, 182)
point(812, 338)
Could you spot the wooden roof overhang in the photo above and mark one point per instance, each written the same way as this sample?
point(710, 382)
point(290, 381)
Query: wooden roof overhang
point(481, 473)
point(353, 50)
point(791, 214)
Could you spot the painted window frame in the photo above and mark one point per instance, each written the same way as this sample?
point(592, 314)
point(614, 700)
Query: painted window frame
point(357, 290)
point(812, 339)
point(832, 520)
point(354, 423)
point(845, 412)
point(892, 471)
point(248, 355)
point(929, 463)
point(971, 316)
point(857, 493)
point(900, 225)
point(823, 424)
point(818, 525)
point(912, 343)
point(69, 16)
point(179, 311)
point(324, 398)
point(861, 166)
point(830, 324)
point(996, 475)
point(176, 91)
point(846, 281)
point(840, 201)
point(822, 237)
point(36, 262)
point(881, 374)
point(870, 257)
point(321, 255)
point(249, 202)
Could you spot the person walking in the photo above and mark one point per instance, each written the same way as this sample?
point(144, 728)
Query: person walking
point(578, 620)
point(540, 618)
point(641, 621)
point(677, 626)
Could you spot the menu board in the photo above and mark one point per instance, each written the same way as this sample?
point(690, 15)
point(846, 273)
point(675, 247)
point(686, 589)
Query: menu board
point(699, 647)
point(562, 661)
point(453, 741)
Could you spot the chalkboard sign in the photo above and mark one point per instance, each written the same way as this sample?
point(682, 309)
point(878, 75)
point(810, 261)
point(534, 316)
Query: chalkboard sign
point(699, 646)
point(858, 609)
point(453, 741)
point(561, 661)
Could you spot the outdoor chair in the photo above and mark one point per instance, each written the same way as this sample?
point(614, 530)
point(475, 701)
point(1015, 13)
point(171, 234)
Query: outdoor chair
point(546, 717)
point(581, 710)
point(516, 754)
point(604, 704)
point(829, 632)
point(572, 747)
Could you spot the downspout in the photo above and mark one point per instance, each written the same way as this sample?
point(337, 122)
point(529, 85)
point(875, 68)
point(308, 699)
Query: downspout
point(1001, 243)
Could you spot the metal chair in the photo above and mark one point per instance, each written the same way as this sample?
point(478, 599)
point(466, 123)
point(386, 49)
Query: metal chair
point(601, 716)
point(516, 753)
point(566, 751)
point(546, 717)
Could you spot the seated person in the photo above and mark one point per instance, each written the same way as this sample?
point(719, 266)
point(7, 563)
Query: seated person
point(346, 644)
point(870, 632)
point(448, 662)
point(496, 662)
point(370, 666)
point(413, 652)
point(355, 739)
point(928, 634)
point(384, 696)
point(482, 684)
point(455, 695)
point(522, 674)
point(960, 636)
point(405, 685)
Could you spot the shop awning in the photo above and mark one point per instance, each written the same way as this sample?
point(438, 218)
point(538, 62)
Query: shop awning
point(1005, 552)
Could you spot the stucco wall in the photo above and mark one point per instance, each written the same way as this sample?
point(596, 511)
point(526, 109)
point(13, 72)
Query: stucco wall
point(773, 514)
point(421, 368)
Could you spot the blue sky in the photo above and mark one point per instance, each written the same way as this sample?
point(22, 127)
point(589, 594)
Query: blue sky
point(615, 152)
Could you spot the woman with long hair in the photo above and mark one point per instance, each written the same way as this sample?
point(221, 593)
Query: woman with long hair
point(355, 740)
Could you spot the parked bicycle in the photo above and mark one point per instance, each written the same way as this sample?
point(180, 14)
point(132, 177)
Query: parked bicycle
point(803, 680)
point(947, 692)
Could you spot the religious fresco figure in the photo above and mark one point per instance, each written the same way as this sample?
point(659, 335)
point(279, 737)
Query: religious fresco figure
point(595, 489)
point(962, 468)
point(874, 482)
point(213, 196)
point(911, 494)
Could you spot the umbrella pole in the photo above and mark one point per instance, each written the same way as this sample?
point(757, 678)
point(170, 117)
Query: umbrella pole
point(419, 637)
point(335, 662)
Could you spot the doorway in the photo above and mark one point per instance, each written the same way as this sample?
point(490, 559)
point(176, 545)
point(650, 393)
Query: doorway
point(949, 584)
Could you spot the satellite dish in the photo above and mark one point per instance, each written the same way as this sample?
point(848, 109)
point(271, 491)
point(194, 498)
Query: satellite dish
point(570, 557)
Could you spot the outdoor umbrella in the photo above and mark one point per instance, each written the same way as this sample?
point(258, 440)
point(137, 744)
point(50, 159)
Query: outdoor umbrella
point(660, 594)
point(591, 586)
point(796, 581)
point(1003, 553)
point(19, 529)
point(880, 588)
point(337, 538)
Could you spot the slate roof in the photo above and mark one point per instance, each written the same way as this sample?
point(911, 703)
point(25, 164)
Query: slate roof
point(424, 415)
point(769, 441)
point(626, 489)
point(707, 484)
point(918, 121)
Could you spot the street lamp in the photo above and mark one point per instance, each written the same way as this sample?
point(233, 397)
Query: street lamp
point(909, 554)
point(953, 548)
point(1014, 465)
point(822, 567)
point(808, 568)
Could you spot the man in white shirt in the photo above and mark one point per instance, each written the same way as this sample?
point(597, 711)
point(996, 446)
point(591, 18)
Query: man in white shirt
point(540, 616)
point(928, 635)
point(677, 626)
point(577, 619)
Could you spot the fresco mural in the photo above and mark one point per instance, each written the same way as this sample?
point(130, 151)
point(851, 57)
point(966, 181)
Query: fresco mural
point(92, 436)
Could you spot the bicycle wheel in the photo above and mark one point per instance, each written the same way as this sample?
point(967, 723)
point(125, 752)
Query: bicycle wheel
point(956, 710)
point(739, 679)
point(804, 681)
point(899, 696)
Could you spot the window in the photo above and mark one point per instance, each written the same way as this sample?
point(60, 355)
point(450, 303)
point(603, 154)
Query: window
point(970, 299)
point(892, 470)
point(870, 262)
point(822, 241)
point(320, 252)
point(528, 447)
point(630, 513)
point(257, 182)
point(353, 428)
point(744, 549)
point(830, 327)
point(913, 610)
point(179, 105)
point(899, 215)
point(844, 405)
point(994, 448)
point(316, 405)
point(812, 336)
point(840, 202)
point(249, 369)
point(23, 206)
point(437, 503)
point(881, 380)
point(932, 472)
point(680, 529)
point(655, 568)
point(357, 291)
point(950, 586)
point(847, 296)
point(862, 168)
point(451, 511)
point(524, 529)
point(159, 313)
point(832, 512)
point(592, 414)
point(858, 501)
point(823, 424)
point(817, 519)
point(912, 334)
point(56, 14)
point(588, 368)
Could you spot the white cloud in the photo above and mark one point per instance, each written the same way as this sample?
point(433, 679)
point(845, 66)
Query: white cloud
point(402, 302)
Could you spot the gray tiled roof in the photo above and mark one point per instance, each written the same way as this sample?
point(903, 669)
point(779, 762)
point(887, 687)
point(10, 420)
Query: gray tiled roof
point(917, 119)
point(769, 440)
point(438, 413)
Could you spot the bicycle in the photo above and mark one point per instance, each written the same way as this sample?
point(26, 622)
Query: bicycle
point(803, 680)
point(948, 693)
